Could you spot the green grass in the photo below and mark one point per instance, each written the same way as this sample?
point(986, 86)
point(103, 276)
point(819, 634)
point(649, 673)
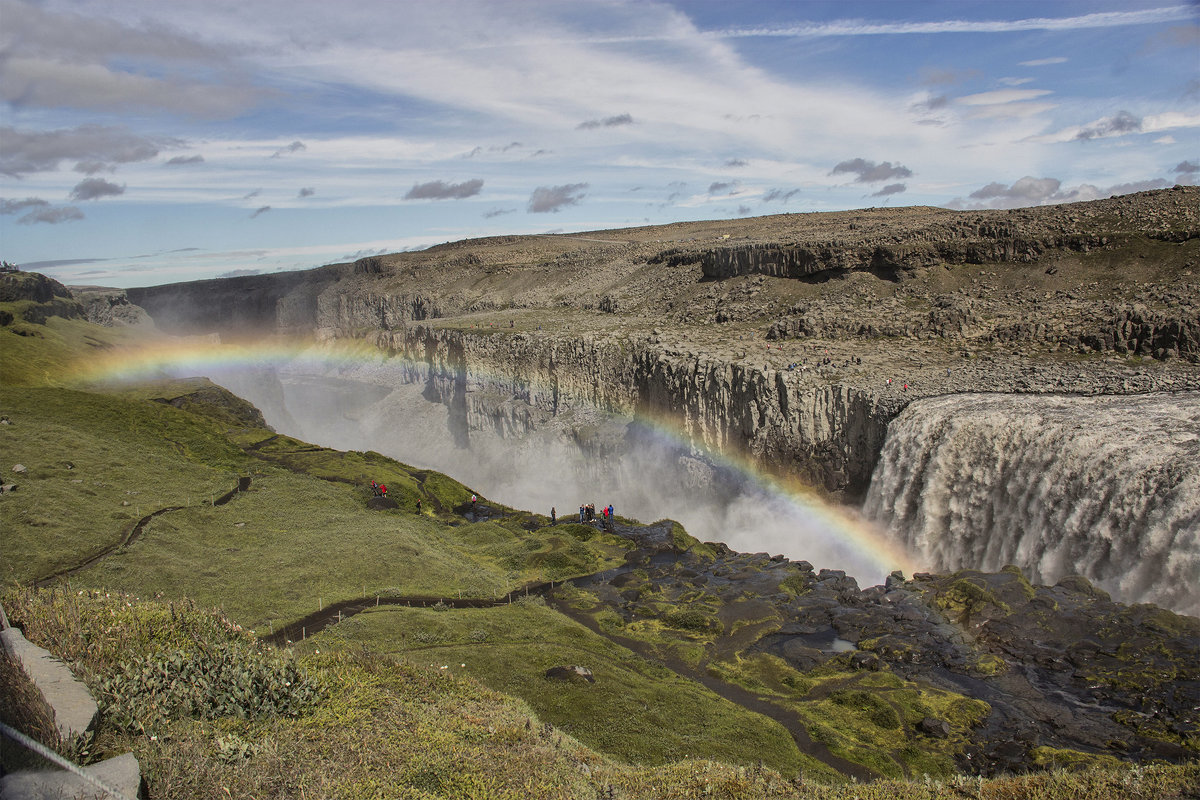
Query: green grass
point(290, 544)
point(94, 465)
point(635, 710)
point(53, 353)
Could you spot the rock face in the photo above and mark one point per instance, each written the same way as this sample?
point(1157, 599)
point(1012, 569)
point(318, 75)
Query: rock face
point(41, 297)
point(110, 307)
point(253, 303)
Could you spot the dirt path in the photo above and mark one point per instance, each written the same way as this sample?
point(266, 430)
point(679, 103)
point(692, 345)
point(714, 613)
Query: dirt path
point(344, 609)
point(132, 535)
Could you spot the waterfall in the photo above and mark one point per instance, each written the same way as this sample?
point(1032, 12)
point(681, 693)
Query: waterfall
point(1105, 487)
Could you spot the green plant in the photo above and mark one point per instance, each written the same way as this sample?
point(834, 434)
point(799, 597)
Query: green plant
point(225, 680)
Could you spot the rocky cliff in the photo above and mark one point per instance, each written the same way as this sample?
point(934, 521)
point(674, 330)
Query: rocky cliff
point(789, 340)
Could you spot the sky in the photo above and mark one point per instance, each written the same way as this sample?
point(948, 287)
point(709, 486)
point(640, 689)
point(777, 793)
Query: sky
point(147, 142)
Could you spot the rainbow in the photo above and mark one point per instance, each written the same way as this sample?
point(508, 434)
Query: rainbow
point(845, 532)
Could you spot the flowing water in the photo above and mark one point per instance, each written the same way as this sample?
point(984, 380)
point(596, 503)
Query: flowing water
point(1106, 487)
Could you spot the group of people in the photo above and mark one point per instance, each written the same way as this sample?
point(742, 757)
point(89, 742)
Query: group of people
point(380, 490)
point(587, 513)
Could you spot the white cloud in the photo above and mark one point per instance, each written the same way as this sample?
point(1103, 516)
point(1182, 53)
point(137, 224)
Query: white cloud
point(1044, 62)
point(1000, 96)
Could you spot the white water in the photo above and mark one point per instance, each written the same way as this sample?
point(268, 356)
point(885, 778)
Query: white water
point(1105, 487)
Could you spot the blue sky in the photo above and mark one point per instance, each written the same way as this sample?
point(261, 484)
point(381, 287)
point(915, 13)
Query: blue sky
point(149, 142)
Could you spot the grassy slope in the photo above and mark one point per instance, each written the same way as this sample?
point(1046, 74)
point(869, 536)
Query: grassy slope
point(635, 710)
point(389, 728)
point(302, 536)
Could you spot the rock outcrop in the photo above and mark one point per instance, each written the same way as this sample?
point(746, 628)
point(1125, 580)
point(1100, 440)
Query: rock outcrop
point(1047, 668)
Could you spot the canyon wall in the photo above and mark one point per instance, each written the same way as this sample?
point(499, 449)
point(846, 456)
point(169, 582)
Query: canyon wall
point(510, 386)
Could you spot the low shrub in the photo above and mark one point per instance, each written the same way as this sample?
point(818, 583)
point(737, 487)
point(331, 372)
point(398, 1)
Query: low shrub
point(225, 680)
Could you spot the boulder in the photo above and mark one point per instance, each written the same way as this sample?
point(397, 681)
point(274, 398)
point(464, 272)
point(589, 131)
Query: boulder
point(932, 726)
point(573, 672)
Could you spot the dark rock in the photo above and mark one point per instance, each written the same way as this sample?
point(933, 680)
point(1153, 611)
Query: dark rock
point(862, 660)
point(937, 728)
point(570, 673)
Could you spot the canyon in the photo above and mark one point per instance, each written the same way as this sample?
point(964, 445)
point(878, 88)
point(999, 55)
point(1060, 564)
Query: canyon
point(691, 370)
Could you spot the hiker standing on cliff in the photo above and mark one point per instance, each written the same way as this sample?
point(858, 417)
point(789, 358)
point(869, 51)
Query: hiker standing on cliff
point(553, 516)
point(418, 505)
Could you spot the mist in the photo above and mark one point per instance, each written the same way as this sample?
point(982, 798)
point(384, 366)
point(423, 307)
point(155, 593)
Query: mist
point(581, 455)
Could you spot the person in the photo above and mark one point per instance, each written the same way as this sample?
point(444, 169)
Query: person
point(553, 516)
point(474, 500)
point(382, 490)
point(581, 512)
point(418, 505)
point(610, 510)
point(375, 488)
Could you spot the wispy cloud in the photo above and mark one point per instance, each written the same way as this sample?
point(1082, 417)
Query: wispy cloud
point(869, 171)
point(1119, 123)
point(890, 189)
point(1044, 62)
point(607, 122)
point(28, 151)
point(180, 161)
point(1031, 191)
point(440, 190)
point(1107, 19)
point(294, 147)
point(95, 188)
point(1000, 96)
point(52, 216)
point(258, 212)
point(17, 206)
point(779, 196)
point(554, 198)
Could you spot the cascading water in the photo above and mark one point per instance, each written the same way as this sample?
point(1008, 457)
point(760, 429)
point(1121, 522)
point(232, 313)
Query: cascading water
point(1106, 487)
